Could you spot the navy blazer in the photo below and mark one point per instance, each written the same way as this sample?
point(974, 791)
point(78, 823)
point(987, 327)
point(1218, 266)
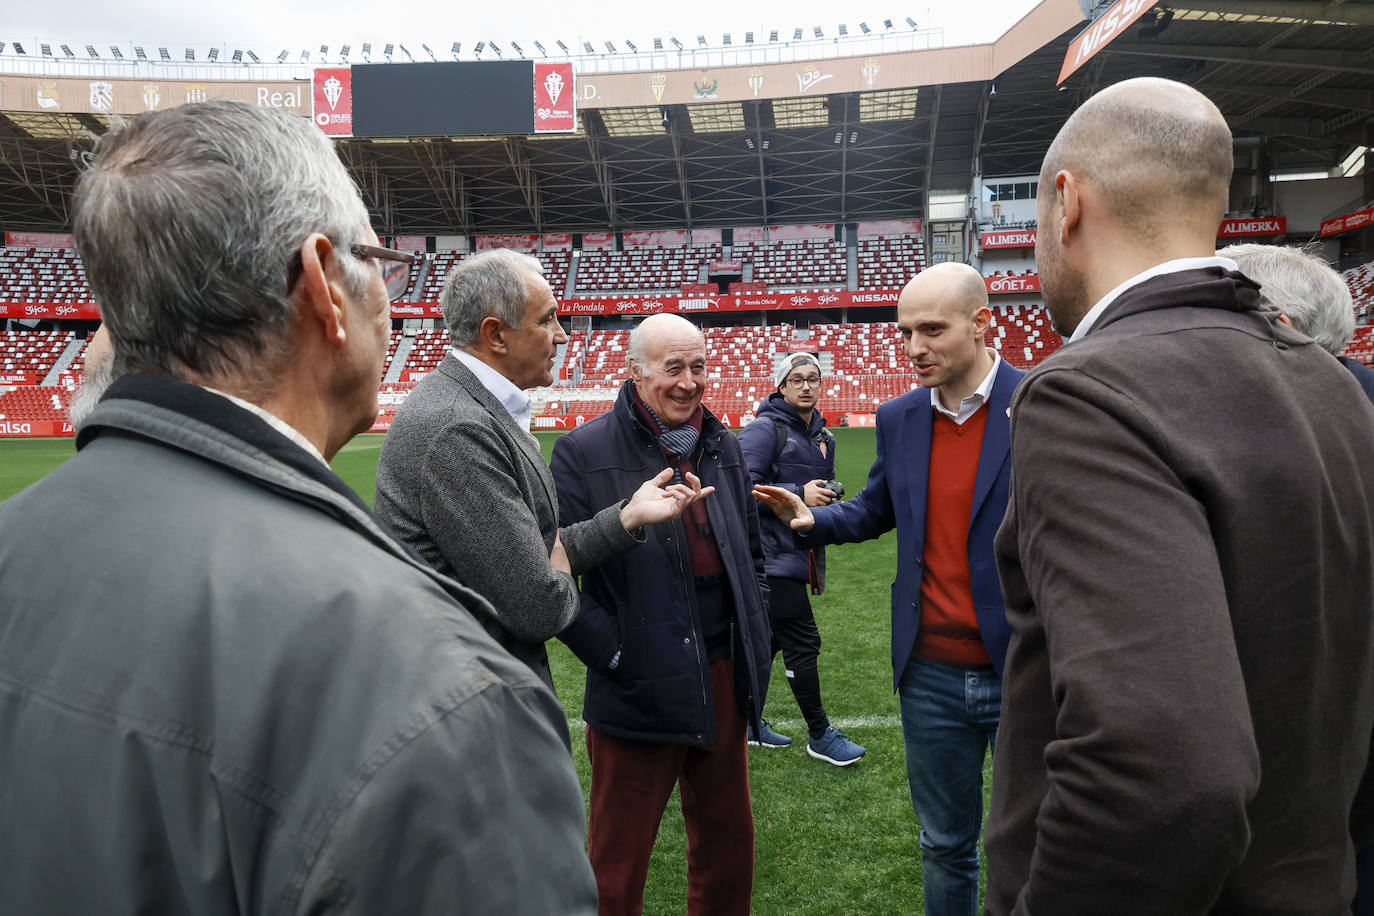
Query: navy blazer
point(895, 497)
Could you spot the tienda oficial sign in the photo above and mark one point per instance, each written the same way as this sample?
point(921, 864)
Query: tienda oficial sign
point(333, 95)
point(1101, 32)
point(1019, 238)
point(1269, 225)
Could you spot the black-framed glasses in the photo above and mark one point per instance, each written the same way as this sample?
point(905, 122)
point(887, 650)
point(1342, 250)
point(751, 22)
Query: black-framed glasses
point(804, 381)
point(393, 265)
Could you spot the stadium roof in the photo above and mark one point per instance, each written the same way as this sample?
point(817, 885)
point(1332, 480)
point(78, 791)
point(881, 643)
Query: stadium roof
point(1300, 75)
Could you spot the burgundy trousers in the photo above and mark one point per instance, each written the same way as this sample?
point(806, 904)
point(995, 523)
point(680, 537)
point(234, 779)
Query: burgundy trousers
point(631, 784)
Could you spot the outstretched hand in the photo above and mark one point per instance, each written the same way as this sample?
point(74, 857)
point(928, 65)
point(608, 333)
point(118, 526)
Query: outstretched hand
point(787, 506)
point(653, 502)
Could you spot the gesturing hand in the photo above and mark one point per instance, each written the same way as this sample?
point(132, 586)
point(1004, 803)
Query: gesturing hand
point(787, 506)
point(653, 502)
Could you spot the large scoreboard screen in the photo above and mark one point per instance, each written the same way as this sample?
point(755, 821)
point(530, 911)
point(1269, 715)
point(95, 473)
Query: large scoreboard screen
point(448, 99)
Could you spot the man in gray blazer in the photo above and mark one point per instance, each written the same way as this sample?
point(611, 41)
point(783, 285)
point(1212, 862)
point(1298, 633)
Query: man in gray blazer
point(461, 478)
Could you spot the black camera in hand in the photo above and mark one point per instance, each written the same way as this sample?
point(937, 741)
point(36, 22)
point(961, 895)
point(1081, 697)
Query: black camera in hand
point(834, 486)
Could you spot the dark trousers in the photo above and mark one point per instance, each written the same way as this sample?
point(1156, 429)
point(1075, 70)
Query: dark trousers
point(631, 784)
point(795, 635)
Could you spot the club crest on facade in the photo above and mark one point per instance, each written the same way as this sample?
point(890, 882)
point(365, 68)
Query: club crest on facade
point(870, 71)
point(553, 85)
point(151, 96)
point(658, 82)
point(102, 95)
point(332, 90)
point(47, 95)
point(195, 92)
point(756, 80)
point(705, 89)
point(810, 77)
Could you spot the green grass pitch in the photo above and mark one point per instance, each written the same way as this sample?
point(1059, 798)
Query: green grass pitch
point(828, 840)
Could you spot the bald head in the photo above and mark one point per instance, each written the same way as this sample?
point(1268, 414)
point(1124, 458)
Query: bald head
point(1155, 150)
point(651, 334)
point(952, 283)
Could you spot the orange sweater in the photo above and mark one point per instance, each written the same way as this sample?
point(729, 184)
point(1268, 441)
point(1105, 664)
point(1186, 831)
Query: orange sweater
point(949, 625)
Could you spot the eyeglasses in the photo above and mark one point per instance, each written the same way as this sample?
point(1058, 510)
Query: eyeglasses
point(804, 381)
point(393, 265)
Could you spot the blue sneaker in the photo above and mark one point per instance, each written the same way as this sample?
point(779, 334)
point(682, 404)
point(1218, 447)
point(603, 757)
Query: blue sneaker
point(834, 747)
point(767, 737)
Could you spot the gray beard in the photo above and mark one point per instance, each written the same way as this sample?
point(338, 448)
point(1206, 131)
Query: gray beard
point(92, 388)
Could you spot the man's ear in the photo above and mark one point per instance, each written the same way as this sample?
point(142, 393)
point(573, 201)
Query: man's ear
point(1284, 319)
point(1068, 189)
point(316, 296)
point(982, 320)
point(491, 334)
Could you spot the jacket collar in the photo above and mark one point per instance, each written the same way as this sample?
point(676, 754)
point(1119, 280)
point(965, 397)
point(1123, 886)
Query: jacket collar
point(711, 428)
point(776, 405)
point(1206, 287)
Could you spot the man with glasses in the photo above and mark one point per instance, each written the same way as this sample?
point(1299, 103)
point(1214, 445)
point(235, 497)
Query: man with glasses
point(788, 446)
point(252, 698)
point(941, 479)
point(462, 480)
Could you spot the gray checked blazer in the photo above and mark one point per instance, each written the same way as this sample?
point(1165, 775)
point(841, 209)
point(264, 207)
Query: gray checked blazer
point(460, 482)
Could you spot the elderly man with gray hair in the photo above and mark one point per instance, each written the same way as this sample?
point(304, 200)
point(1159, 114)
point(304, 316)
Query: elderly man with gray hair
point(462, 481)
point(253, 698)
point(1311, 295)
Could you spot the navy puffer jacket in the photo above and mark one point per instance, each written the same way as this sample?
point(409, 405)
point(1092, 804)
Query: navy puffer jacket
point(642, 603)
point(809, 454)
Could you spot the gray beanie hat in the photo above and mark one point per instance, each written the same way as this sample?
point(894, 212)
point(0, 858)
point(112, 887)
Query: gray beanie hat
point(794, 361)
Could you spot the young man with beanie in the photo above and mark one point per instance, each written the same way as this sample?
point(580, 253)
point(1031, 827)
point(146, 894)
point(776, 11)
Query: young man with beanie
point(788, 446)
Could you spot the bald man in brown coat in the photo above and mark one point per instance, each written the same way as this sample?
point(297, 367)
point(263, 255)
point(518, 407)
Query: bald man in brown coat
point(1187, 557)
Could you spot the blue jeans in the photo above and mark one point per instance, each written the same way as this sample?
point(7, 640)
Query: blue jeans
point(949, 721)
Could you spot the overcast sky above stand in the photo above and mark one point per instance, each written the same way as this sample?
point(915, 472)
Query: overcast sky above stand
point(267, 26)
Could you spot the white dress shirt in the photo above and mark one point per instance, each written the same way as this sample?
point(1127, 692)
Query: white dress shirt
point(969, 405)
point(516, 401)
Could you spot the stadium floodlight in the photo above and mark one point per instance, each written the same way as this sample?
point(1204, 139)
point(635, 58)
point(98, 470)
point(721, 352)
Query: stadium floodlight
point(162, 53)
point(748, 38)
point(844, 30)
point(190, 55)
point(214, 54)
point(797, 35)
point(725, 39)
point(765, 143)
point(863, 27)
point(887, 25)
point(426, 49)
point(386, 52)
point(457, 46)
point(911, 22)
point(253, 57)
point(281, 58)
point(610, 48)
point(138, 52)
point(495, 49)
point(701, 41)
point(90, 52)
point(839, 135)
point(118, 54)
point(587, 46)
point(343, 53)
point(238, 56)
point(631, 45)
point(749, 142)
point(18, 48)
point(477, 51)
point(853, 136)
point(2, 47)
point(677, 44)
point(45, 49)
point(67, 50)
point(562, 47)
point(658, 44)
point(324, 51)
point(539, 46)
point(518, 50)
point(816, 30)
point(406, 52)
point(772, 35)
point(367, 50)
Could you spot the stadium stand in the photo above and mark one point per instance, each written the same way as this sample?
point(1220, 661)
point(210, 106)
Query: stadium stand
point(1361, 282)
point(42, 275)
point(794, 264)
point(888, 262)
point(35, 402)
point(32, 351)
point(602, 271)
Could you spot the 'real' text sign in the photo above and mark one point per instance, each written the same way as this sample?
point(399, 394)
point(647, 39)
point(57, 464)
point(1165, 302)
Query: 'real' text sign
point(555, 98)
point(1101, 32)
